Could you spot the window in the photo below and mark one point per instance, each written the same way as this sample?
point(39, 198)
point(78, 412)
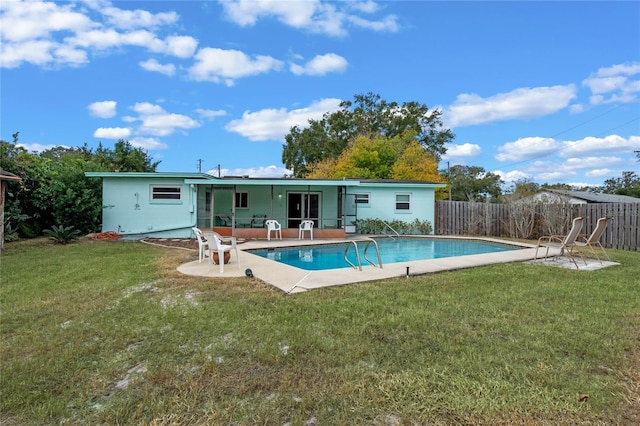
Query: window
point(242, 200)
point(403, 201)
point(166, 193)
point(362, 198)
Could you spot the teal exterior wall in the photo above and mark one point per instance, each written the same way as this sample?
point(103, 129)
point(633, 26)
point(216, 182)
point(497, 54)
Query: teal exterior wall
point(128, 208)
point(382, 203)
point(131, 207)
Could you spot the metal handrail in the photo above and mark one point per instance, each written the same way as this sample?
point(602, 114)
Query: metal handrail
point(368, 242)
point(357, 255)
point(366, 247)
point(394, 231)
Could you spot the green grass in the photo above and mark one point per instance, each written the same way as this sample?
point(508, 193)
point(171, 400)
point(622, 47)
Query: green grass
point(109, 333)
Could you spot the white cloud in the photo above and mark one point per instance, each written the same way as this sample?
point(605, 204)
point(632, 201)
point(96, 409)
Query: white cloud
point(259, 172)
point(37, 147)
point(181, 46)
point(218, 65)
point(462, 151)
point(156, 121)
point(155, 66)
point(469, 109)
point(388, 23)
point(210, 114)
point(581, 150)
point(112, 132)
point(616, 81)
point(321, 65)
point(598, 173)
point(513, 176)
point(608, 144)
point(47, 33)
point(274, 124)
point(103, 109)
point(314, 16)
point(147, 143)
point(527, 148)
point(28, 21)
point(132, 19)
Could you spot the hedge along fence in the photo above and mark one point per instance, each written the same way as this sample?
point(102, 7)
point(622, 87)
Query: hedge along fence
point(533, 220)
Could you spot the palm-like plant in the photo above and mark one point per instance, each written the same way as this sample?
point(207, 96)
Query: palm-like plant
point(62, 234)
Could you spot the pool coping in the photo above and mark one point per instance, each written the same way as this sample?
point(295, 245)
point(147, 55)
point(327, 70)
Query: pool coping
point(295, 280)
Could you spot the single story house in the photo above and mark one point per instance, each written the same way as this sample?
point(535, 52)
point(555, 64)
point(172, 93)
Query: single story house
point(581, 197)
point(168, 205)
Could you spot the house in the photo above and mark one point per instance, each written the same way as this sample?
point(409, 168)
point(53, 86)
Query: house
point(581, 197)
point(168, 205)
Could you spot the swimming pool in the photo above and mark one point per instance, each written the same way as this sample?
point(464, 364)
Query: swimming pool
point(331, 256)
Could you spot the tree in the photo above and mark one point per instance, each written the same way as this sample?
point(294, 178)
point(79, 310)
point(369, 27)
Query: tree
point(54, 190)
point(368, 116)
point(471, 183)
point(628, 184)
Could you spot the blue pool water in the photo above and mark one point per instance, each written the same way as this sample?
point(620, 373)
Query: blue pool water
point(331, 256)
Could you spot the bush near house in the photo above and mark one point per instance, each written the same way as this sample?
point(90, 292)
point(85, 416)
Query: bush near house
point(378, 226)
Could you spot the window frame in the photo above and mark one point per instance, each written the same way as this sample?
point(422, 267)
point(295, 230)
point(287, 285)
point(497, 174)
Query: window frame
point(399, 203)
point(239, 197)
point(165, 194)
point(365, 201)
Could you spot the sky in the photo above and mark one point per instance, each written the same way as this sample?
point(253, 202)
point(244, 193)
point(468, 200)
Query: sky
point(544, 91)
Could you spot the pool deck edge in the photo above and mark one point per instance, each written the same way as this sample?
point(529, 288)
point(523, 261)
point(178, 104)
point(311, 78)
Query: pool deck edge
point(295, 280)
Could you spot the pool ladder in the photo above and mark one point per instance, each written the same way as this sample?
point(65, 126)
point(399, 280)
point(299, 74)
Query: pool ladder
point(367, 242)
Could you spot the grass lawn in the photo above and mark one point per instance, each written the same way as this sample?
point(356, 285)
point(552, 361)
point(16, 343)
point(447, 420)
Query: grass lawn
point(110, 333)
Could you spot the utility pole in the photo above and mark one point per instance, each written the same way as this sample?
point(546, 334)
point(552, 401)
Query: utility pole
point(200, 161)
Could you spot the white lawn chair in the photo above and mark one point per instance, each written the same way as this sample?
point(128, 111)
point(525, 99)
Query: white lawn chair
point(305, 226)
point(216, 245)
point(273, 226)
point(203, 244)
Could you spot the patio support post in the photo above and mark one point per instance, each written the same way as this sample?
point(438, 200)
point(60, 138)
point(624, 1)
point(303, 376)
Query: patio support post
point(212, 216)
point(271, 213)
point(233, 212)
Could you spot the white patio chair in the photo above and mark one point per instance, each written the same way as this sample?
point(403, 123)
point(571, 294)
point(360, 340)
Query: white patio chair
point(203, 244)
point(305, 226)
point(216, 245)
point(273, 226)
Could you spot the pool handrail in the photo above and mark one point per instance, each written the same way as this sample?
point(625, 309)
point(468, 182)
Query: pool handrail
point(368, 242)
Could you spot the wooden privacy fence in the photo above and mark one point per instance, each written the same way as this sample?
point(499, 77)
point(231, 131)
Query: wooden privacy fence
point(531, 221)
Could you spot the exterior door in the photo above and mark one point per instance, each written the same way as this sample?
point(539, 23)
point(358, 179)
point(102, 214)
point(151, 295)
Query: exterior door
point(302, 205)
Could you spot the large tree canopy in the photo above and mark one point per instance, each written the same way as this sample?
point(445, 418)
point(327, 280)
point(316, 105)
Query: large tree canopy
point(54, 189)
point(370, 116)
point(471, 183)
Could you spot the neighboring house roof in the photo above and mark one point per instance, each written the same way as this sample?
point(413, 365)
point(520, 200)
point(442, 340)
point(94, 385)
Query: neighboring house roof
point(592, 197)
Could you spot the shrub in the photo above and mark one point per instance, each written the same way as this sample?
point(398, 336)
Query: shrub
point(378, 226)
point(62, 234)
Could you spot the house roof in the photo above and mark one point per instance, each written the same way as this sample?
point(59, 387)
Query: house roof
point(182, 175)
point(207, 179)
point(593, 197)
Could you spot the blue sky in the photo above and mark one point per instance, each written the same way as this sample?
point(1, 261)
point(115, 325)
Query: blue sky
point(547, 91)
